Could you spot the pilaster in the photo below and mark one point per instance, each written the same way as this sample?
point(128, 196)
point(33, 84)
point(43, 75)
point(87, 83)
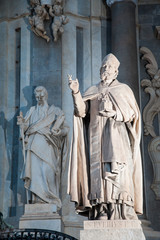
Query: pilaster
point(124, 43)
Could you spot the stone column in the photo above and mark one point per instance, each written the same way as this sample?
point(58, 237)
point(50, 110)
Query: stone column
point(123, 40)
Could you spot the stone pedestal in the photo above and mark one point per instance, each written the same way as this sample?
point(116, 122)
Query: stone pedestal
point(41, 216)
point(112, 230)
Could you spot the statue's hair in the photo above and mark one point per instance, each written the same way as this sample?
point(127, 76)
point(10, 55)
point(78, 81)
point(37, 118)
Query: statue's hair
point(38, 7)
point(41, 89)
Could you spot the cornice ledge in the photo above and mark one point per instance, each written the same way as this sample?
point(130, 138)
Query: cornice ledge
point(110, 2)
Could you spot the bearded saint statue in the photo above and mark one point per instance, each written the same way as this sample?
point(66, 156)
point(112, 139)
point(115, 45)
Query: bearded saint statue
point(105, 173)
point(45, 145)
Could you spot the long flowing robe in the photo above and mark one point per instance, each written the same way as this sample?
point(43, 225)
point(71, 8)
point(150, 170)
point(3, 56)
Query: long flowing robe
point(45, 153)
point(105, 162)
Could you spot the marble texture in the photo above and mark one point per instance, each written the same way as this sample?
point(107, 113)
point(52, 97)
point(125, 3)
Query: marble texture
point(72, 227)
point(44, 144)
point(41, 216)
point(112, 230)
point(114, 224)
point(40, 208)
point(105, 179)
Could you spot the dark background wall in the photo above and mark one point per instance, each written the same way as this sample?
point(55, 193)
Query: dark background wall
point(149, 17)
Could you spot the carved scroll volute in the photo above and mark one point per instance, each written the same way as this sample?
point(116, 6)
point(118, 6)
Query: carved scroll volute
point(154, 152)
point(152, 87)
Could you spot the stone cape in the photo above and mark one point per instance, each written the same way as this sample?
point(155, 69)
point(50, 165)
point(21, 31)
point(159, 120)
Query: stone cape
point(85, 176)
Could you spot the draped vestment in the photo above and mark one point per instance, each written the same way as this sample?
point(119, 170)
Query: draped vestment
point(45, 154)
point(105, 161)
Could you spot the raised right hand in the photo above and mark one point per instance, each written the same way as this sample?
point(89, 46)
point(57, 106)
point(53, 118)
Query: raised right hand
point(20, 119)
point(73, 84)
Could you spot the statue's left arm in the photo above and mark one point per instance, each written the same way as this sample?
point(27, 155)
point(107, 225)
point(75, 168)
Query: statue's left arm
point(59, 126)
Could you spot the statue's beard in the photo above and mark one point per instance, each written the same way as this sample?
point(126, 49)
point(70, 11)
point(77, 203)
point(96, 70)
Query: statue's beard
point(108, 77)
point(42, 109)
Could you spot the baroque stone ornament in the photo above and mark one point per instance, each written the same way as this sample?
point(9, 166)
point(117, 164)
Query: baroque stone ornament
point(37, 22)
point(154, 152)
point(45, 145)
point(43, 10)
point(58, 19)
point(105, 161)
point(152, 87)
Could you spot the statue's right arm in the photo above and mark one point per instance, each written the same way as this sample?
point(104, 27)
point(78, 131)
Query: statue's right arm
point(79, 104)
point(24, 121)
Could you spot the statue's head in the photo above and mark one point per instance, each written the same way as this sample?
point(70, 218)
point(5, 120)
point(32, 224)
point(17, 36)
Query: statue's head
point(109, 68)
point(41, 95)
point(39, 10)
point(57, 10)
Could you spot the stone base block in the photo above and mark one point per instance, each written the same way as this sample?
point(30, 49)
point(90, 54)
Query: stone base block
point(112, 230)
point(40, 216)
point(73, 228)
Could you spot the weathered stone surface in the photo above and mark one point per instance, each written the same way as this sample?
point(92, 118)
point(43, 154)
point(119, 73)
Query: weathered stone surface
point(115, 196)
point(132, 224)
point(41, 216)
point(31, 209)
point(112, 230)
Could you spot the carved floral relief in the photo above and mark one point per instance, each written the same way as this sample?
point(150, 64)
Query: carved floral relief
point(151, 110)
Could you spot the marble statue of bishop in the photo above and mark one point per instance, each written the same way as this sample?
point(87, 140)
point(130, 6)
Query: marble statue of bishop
point(105, 173)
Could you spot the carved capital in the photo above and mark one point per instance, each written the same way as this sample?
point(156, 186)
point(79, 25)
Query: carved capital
point(110, 2)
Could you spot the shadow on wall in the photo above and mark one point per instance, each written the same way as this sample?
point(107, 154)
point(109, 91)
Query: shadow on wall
point(13, 152)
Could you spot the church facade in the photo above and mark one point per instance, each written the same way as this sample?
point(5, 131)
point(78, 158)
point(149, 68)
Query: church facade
point(129, 29)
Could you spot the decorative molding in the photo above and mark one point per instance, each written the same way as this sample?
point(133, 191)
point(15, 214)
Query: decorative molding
point(44, 10)
point(152, 87)
point(23, 15)
point(110, 2)
point(144, 2)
